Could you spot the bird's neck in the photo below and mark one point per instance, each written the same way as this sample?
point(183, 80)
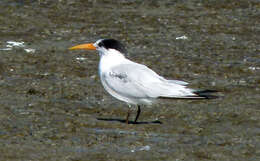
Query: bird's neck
point(109, 60)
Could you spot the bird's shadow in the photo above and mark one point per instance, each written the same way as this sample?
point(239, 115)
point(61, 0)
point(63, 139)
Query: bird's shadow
point(129, 122)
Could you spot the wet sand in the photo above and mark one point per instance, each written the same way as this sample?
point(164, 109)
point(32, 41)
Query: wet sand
point(53, 106)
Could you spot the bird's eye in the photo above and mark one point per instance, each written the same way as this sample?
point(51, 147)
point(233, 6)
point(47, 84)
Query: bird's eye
point(100, 44)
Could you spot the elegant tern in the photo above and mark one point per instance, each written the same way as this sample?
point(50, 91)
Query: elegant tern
point(134, 83)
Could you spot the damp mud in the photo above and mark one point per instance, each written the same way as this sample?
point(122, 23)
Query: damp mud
point(53, 106)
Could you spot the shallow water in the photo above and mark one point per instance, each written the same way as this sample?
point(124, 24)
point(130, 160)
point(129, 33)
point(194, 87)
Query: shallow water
point(53, 107)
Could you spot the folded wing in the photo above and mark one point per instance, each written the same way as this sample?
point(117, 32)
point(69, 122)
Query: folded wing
point(138, 81)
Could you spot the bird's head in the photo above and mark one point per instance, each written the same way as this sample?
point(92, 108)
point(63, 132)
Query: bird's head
point(103, 46)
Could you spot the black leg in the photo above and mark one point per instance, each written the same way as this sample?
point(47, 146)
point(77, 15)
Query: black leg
point(127, 116)
point(138, 113)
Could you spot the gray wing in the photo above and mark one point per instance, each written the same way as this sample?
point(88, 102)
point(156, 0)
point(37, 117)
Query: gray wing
point(138, 81)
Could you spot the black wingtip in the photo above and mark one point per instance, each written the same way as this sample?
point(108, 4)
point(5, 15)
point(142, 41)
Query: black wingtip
point(199, 94)
point(207, 93)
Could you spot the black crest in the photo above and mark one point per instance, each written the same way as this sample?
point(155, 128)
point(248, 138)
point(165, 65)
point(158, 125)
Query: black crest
point(112, 44)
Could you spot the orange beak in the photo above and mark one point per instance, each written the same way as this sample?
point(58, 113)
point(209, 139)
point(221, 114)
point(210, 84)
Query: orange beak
point(84, 46)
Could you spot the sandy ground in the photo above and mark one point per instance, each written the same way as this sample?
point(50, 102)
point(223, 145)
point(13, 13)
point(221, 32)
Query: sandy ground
point(52, 104)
